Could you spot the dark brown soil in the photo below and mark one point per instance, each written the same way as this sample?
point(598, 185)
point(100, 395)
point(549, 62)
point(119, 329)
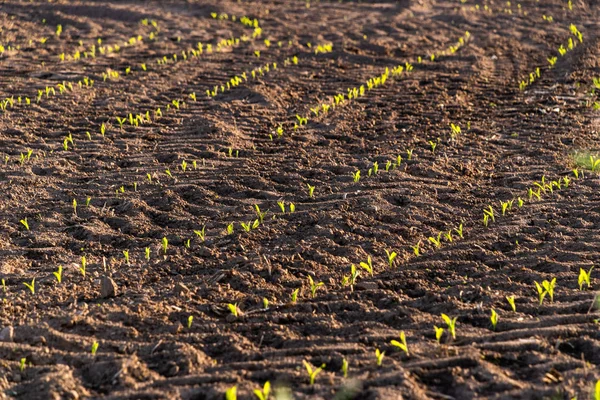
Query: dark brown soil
point(146, 348)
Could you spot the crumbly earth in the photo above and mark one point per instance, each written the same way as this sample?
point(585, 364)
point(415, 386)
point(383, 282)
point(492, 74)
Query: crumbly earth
point(147, 346)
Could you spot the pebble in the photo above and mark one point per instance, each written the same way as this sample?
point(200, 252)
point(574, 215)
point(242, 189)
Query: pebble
point(108, 287)
point(7, 334)
point(181, 290)
point(367, 286)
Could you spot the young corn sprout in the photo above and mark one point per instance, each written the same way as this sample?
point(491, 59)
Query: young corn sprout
point(584, 278)
point(311, 190)
point(25, 223)
point(312, 372)
point(367, 266)
point(459, 231)
point(345, 368)
point(402, 343)
point(549, 288)
point(541, 292)
point(494, 319)
point(356, 176)
point(314, 286)
point(231, 393)
point(391, 256)
point(417, 249)
point(233, 309)
point(165, 244)
point(263, 394)
point(294, 296)
point(190, 320)
point(511, 301)
point(351, 280)
point(30, 286)
point(438, 333)
point(451, 324)
point(83, 265)
point(94, 349)
point(379, 356)
point(201, 233)
point(437, 242)
point(58, 274)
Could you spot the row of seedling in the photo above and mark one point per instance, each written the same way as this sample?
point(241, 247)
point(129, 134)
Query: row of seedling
point(360, 91)
point(562, 50)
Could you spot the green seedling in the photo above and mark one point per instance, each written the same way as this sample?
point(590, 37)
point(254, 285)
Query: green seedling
point(398, 160)
point(261, 215)
point(494, 319)
point(294, 296)
point(22, 364)
point(126, 255)
point(409, 153)
point(356, 176)
point(165, 244)
point(231, 393)
point(448, 236)
point(379, 356)
point(541, 292)
point(520, 202)
point(388, 165)
point(438, 333)
point(437, 242)
point(94, 348)
point(451, 324)
point(30, 286)
point(25, 223)
point(454, 131)
point(311, 190)
point(58, 273)
point(375, 167)
point(87, 201)
point(417, 249)
point(263, 394)
point(265, 303)
point(459, 231)
point(83, 265)
point(597, 390)
point(230, 229)
point(201, 233)
point(401, 344)
point(314, 286)
point(549, 287)
point(292, 207)
point(233, 309)
point(147, 253)
point(190, 320)
point(281, 205)
point(345, 368)
point(391, 256)
point(3, 285)
point(584, 278)
point(433, 145)
point(490, 213)
point(354, 273)
point(247, 226)
point(312, 372)
point(511, 301)
point(367, 266)
point(506, 206)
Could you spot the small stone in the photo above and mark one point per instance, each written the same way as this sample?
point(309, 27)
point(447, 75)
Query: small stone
point(41, 340)
point(367, 286)
point(108, 287)
point(7, 334)
point(181, 290)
